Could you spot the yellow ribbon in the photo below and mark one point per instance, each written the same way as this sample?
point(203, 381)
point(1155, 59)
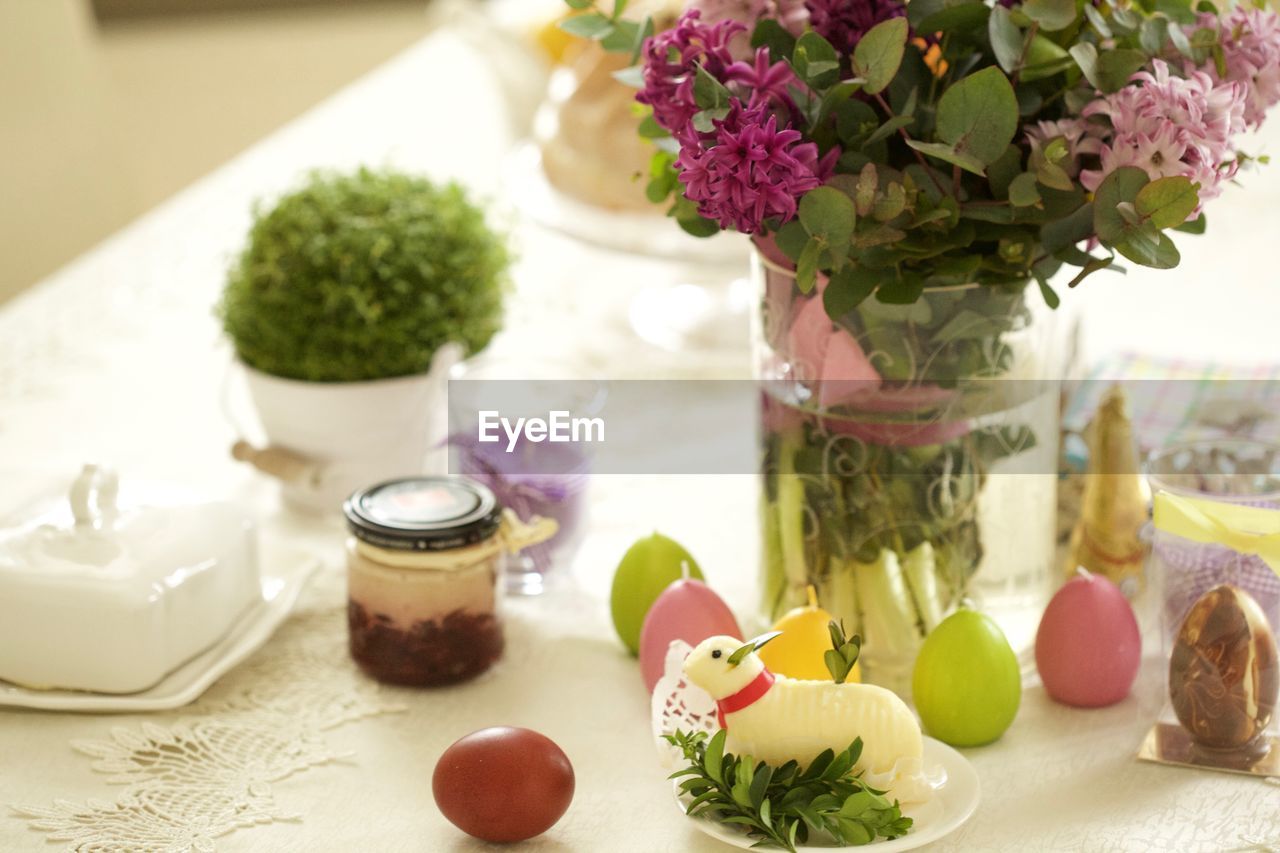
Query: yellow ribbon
point(1246, 529)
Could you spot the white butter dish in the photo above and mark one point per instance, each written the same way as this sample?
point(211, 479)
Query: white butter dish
point(103, 595)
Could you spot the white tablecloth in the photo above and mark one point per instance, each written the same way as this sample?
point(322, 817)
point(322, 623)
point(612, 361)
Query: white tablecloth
point(118, 357)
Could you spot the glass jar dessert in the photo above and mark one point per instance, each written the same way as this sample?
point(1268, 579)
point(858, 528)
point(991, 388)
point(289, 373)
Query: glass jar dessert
point(424, 562)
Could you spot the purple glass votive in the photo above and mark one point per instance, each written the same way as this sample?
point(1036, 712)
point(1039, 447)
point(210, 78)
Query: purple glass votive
point(534, 479)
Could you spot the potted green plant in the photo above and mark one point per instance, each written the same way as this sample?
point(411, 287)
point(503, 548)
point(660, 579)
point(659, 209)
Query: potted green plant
point(350, 301)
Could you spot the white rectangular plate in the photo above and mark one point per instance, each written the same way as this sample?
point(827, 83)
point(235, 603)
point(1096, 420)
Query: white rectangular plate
point(285, 571)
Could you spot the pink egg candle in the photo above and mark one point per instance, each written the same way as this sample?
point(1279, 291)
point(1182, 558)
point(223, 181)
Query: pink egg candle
point(686, 610)
point(1088, 646)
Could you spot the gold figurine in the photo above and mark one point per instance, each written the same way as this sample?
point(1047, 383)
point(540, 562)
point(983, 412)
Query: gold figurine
point(1106, 539)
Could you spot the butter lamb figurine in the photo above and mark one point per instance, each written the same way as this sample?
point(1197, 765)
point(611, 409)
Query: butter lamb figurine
point(777, 719)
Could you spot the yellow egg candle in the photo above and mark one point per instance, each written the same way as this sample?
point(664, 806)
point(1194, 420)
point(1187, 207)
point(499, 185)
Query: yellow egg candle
point(805, 639)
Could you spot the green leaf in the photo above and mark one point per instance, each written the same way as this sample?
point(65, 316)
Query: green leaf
point(1194, 226)
point(1051, 15)
point(714, 756)
point(1149, 247)
point(1122, 185)
point(1091, 266)
point(623, 37)
point(978, 116)
point(878, 54)
point(650, 129)
point(1006, 39)
point(791, 239)
point(1086, 57)
point(828, 213)
point(949, 155)
point(816, 61)
point(807, 265)
point(950, 16)
point(905, 291)
point(1115, 67)
point(697, 225)
point(1023, 192)
point(1002, 172)
point(834, 97)
point(855, 121)
point(1097, 20)
point(771, 34)
point(1069, 230)
point(760, 784)
point(889, 204)
point(1053, 175)
point(1167, 202)
point(1049, 295)
point(589, 26)
point(632, 77)
point(890, 127)
point(1152, 35)
point(708, 92)
point(578, 4)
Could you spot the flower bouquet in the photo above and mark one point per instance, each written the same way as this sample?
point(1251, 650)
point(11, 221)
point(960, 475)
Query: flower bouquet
point(906, 172)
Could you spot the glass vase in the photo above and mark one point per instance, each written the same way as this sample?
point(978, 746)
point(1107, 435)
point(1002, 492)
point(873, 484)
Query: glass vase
point(909, 457)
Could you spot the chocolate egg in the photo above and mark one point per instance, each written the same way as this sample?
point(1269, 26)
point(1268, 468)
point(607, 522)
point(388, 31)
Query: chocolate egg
point(503, 784)
point(1223, 674)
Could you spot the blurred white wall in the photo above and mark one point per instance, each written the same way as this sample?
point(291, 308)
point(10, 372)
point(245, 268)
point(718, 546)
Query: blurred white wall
point(99, 123)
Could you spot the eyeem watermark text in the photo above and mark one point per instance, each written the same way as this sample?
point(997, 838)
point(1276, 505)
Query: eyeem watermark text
point(557, 427)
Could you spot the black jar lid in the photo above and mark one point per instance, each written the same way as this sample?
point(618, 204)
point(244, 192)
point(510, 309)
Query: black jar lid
point(423, 513)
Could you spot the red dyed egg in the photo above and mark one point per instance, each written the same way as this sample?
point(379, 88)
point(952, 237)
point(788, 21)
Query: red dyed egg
point(1088, 646)
point(503, 784)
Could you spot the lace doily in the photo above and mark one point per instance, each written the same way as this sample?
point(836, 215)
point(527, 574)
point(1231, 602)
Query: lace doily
point(188, 782)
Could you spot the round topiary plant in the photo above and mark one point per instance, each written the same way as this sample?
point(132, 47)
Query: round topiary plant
point(364, 276)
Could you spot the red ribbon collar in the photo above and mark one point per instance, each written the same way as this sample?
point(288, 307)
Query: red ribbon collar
point(746, 696)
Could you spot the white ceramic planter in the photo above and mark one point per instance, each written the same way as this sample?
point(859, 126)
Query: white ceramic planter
point(353, 433)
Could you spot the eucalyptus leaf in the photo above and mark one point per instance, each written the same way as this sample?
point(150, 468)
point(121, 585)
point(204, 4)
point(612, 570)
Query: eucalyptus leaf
point(1051, 15)
point(1049, 295)
point(829, 214)
point(1086, 57)
point(1069, 230)
point(1023, 192)
point(1122, 185)
point(954, 17)
point(1115, 67)
point(948, 154)
point(771, 34)
point(878, 54)
point(807, 265)
point(889, 128)
point(815, 60)
point(591, 25)
point(1193, 226)
point(708, 92)
point(978, 116)
point(1006, 39)
point(1097, 21)
point(1167, 202)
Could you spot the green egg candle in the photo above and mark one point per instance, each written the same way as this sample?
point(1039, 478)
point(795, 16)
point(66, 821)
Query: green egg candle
point(966, 683)
point(649, 566)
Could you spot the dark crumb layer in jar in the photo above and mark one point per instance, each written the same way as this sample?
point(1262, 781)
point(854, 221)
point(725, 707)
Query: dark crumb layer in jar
point(431, 653)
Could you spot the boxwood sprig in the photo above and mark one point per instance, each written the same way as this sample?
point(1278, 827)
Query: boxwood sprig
point(782, 806)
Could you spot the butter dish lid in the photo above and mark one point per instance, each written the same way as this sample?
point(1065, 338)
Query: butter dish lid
point(92, 532)
point(424, 514)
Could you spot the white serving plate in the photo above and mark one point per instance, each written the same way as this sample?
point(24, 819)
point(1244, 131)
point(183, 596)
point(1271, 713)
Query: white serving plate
point(955, 797)
point(285, 571)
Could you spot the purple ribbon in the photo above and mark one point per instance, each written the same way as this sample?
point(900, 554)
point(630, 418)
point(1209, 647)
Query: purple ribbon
point(528, 494)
